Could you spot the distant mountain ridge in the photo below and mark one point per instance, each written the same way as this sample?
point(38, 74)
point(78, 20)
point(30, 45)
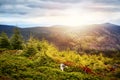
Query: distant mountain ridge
point(7, 28)
point(94, 37)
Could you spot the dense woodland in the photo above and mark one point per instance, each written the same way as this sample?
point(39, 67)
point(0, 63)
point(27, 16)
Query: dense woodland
point(35, 59)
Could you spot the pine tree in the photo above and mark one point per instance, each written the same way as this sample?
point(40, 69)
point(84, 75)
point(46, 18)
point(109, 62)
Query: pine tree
point(31, 47)
point(4, 41)
point(16, 40)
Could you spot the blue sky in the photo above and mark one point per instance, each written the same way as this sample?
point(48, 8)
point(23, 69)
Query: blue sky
point(30, 13)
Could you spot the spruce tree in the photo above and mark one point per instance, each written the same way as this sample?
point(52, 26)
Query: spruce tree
point(4, 41)
point(31, 47)
point(16, 40)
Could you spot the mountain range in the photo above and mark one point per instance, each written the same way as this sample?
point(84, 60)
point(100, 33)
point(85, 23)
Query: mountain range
point(102, 37)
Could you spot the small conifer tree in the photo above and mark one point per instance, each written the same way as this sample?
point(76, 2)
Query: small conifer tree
point(16, 40)
point(30, 48)
point(4, 41)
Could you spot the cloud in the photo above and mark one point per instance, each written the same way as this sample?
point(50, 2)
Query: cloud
point(14, 9)
point(108, 2)
point(30, 10)
point(30, 6)
point(12, 2)
point(64, 1)
point(103, 8)
point(49, 5)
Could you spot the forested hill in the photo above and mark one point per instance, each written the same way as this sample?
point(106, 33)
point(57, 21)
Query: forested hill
point(7, 28)
point(92, 37)
point(36, 59)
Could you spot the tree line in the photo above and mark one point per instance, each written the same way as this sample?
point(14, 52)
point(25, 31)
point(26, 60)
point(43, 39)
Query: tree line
point(15, 42)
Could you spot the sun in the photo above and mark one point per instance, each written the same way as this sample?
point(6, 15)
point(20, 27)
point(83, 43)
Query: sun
point(75, 17)
point(78, 17)
point(72, 17)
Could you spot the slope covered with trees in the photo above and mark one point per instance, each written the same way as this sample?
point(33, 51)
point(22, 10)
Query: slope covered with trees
point(98, 37)
point(40, 60)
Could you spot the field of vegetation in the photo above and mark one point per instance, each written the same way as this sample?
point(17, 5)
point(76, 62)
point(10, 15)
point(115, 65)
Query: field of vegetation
point(40, 60)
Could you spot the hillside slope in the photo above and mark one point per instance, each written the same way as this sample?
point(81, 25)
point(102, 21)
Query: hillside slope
point(40, 60)
point(92, 37)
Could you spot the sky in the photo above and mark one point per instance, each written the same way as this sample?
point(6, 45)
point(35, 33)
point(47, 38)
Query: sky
point(30, 13)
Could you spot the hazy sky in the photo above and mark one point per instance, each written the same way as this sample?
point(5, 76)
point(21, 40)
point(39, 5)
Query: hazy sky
point(28, 13)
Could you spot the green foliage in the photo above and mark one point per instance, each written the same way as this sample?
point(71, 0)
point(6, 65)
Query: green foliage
point(30, 48)
point(41, 60)
point(117, 74)
point(56, 74)
point(16, 40)
point(13, 64)
point(4, 41)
